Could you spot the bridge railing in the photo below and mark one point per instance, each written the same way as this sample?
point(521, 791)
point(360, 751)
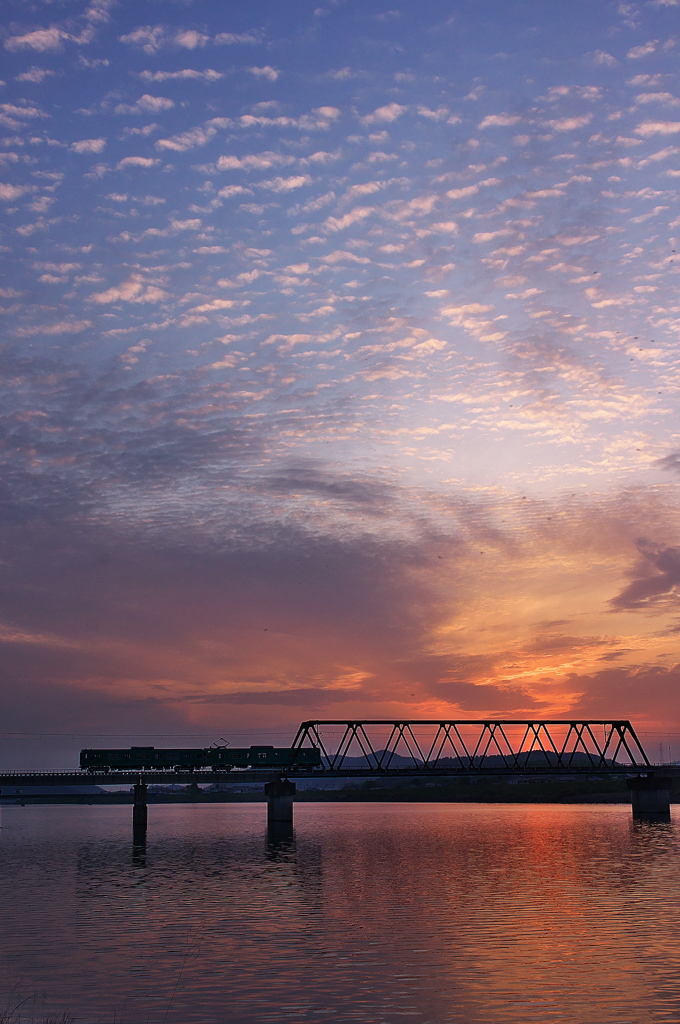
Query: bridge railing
point(470, 745)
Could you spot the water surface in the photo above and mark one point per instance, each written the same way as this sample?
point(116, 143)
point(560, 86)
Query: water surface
point(380, 913)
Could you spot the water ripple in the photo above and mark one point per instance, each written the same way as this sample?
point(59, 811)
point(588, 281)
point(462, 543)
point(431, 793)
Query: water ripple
point(371, 913)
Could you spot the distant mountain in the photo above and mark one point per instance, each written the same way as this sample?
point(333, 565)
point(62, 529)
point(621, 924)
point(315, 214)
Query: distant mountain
point(535, 759)
point(13, 791)
point(396, 761)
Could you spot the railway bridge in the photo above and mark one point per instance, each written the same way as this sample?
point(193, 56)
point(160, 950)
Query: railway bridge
point(393, 749)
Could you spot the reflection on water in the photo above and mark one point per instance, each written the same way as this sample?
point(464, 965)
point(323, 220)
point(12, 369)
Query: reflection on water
point(443, 913)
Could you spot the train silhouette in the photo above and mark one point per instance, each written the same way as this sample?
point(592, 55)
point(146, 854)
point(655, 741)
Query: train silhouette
point(220, 759)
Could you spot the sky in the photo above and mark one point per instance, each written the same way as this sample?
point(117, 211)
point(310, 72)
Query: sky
point(339, 367)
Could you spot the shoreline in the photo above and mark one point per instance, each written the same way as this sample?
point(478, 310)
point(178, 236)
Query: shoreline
point(604, 791)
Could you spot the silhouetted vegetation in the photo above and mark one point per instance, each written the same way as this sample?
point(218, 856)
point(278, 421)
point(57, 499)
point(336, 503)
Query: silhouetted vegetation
point(22, 1011)
point(490, 789)
point(485, 790)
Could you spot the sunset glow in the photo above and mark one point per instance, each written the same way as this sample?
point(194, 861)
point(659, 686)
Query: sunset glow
point(340, 366)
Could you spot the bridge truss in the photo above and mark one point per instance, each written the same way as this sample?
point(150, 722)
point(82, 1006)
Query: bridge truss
point(474, 746)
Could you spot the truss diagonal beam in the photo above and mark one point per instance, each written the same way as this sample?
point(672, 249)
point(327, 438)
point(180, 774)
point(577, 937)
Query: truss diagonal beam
point(463, 746)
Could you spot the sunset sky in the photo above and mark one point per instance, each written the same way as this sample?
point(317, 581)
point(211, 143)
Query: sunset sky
point(339, 365)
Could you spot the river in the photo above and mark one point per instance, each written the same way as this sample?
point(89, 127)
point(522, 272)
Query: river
point(370, 913)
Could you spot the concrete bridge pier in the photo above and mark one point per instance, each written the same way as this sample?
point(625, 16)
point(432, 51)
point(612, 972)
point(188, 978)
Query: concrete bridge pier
point(139, 814)
point(650, 797)
point(280, 794)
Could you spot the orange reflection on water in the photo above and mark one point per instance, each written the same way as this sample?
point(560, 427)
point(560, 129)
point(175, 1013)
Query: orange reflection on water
point(449, 913)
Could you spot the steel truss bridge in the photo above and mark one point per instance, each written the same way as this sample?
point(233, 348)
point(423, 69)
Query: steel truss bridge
point(474, 747)
point(391, 748)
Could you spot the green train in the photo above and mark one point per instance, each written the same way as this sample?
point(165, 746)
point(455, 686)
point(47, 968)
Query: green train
point(220, 759)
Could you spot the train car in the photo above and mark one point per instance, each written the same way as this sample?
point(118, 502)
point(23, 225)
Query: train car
point(189, 759)
point(260, 756)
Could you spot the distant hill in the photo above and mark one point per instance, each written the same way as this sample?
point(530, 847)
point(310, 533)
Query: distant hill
point(396, 761)
point(14, 791)
point(535, 759)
